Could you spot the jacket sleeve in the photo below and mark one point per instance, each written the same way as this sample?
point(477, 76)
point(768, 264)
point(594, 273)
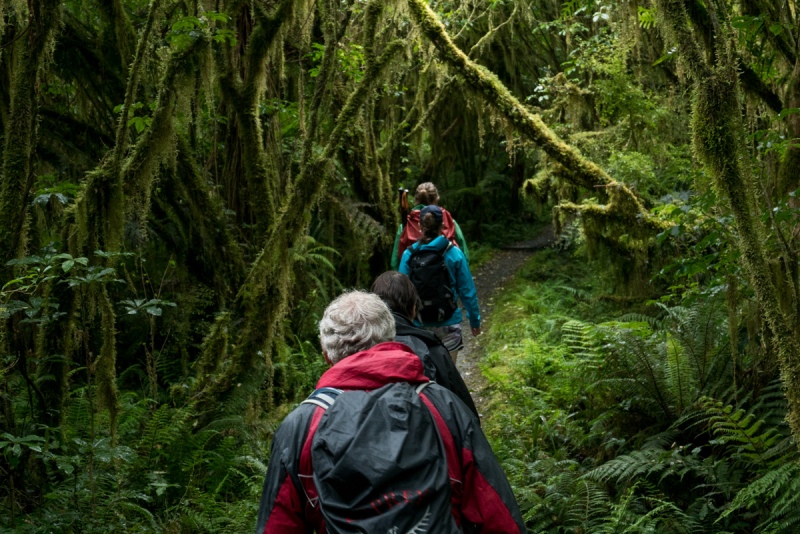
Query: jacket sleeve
point(487, 503)
point(487, 500)
point(462, 243)
point(465, 286)
point(395, 256)
point(449, 377)
point(282, 508)
point(404, 262)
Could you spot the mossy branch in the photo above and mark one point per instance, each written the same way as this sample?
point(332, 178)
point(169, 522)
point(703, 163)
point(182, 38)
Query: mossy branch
point(98, 215)
point(246, 95)
point(106, 363)
point(487, 86)
point(262, 301)
point(122, 137)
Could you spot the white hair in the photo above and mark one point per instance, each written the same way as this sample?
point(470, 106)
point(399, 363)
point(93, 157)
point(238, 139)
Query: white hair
point(354, 321)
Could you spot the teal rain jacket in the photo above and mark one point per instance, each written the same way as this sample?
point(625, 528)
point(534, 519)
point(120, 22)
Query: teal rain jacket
point(460, 281)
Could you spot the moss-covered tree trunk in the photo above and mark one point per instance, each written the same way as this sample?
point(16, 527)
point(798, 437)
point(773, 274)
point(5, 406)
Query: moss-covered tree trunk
point(31, 55)
point(718, 137)
point(239, 354)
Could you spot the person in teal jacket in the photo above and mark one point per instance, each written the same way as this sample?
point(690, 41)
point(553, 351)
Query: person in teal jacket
point(461, 281)
point(410, 232)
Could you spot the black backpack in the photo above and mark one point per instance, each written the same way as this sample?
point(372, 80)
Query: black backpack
point(430, 275)
point(379, 465)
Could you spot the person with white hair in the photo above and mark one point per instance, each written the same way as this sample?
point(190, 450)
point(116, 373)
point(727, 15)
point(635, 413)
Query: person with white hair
point(378, 447)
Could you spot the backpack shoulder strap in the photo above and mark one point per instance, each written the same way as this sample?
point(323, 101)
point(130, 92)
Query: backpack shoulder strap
point(323, 397)
point(452, 452)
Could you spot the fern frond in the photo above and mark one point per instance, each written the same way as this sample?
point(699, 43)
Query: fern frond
point(779, 490)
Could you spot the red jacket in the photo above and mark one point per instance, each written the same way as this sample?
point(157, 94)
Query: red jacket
point(481, 496)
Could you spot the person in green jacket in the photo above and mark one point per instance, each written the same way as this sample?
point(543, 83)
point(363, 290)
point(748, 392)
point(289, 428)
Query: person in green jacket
point(408, 234)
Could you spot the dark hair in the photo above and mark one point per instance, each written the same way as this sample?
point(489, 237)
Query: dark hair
point(431, 228)
point(397, 291)
point(426, 194)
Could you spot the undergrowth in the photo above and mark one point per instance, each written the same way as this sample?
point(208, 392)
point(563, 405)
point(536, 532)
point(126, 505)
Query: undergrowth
point(613, 416)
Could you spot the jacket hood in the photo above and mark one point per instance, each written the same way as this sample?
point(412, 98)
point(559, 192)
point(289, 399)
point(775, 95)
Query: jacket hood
point(385, 363)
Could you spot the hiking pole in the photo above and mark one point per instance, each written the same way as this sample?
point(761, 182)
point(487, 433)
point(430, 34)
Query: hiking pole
point(404, 208)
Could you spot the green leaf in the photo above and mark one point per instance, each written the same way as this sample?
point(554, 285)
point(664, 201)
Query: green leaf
point(67, 265)
point(65, 466)
point(788, 111)
point(776, 29)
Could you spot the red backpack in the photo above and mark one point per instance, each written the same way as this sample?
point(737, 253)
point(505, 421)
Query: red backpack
point(411, 231)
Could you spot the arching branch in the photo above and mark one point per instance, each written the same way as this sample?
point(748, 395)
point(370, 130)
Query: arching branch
point(486, 85)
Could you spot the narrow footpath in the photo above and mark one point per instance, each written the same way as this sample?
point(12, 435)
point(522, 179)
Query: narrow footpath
point(490, 278)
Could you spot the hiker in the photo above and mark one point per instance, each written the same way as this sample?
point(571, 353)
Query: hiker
point(397, 291)
point(377, 447)
point(421, 263)
point(409, 231)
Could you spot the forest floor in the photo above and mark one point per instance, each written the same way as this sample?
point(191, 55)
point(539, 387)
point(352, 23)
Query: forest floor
point(490, 279)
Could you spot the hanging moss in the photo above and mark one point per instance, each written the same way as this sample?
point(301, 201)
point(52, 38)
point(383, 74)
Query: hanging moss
point(157, 145)
point(31, 55)
point(262, 301)
point(106, 363)
point(718, 138)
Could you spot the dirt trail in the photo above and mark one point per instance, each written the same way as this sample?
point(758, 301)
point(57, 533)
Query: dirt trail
point(489, 280)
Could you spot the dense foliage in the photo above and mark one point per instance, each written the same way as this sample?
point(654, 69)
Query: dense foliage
point(612, 420)
point(185, 185)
